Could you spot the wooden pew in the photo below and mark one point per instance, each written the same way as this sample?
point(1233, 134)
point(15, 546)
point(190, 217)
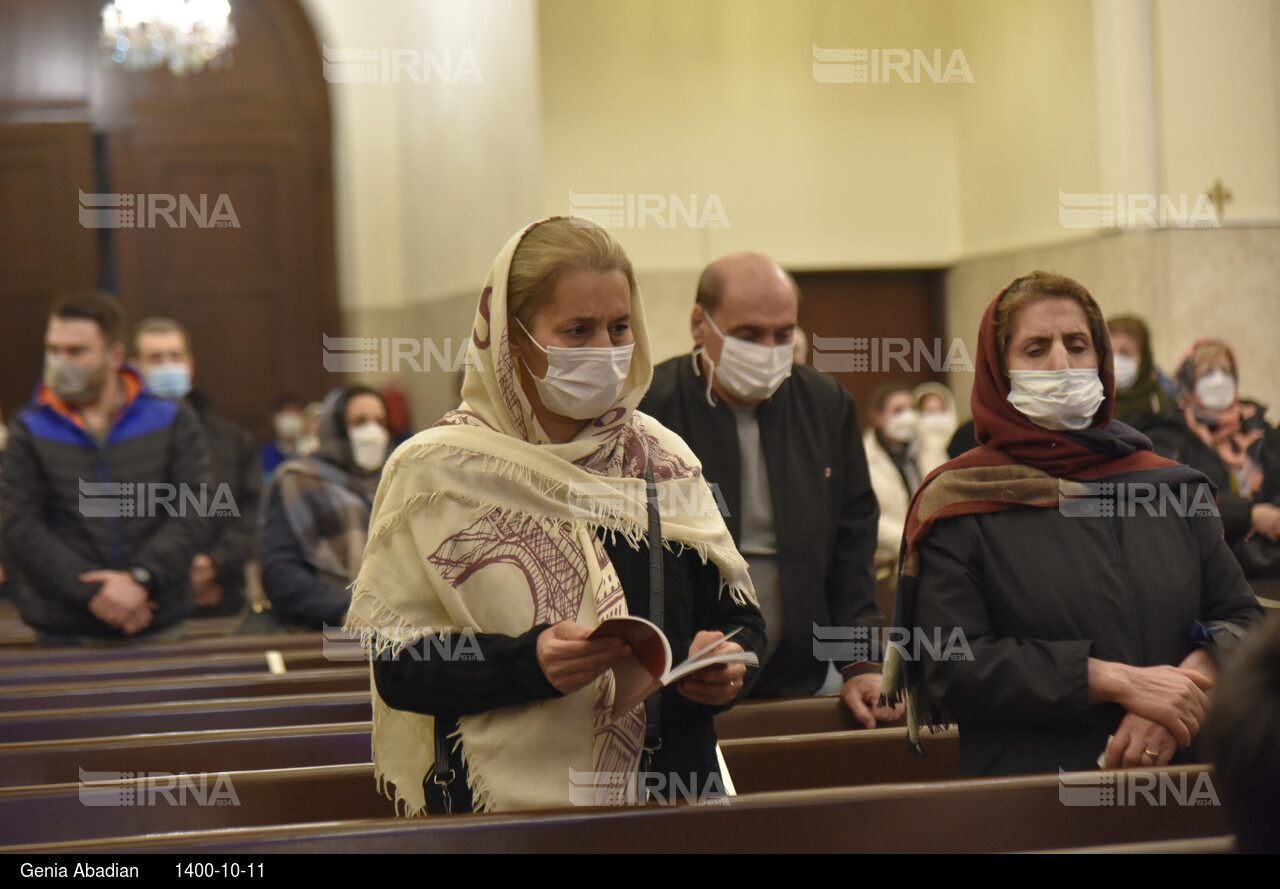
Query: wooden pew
point(34, 657)
point(976, 815)
point(185, 716)
point(76, 811)
point(218, 750)
point(837, 759)
point(146, 668)
point(756, 765)
point(180, 688)
point(786, 716)
point(17, 635)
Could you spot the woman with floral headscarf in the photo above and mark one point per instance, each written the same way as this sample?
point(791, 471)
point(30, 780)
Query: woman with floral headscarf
point(1224, 436)
point(505, 533)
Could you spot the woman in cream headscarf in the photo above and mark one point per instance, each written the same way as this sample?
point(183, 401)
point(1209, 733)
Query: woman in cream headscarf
point(937, 408)
point(503, 534)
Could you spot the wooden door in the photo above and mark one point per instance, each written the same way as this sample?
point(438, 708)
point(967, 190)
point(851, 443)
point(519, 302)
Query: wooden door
point(44, 250)
point(872, 328)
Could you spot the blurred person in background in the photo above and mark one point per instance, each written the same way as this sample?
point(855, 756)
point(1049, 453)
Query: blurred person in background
point(317, 517)
point(937, 408)
point(892, 443)
point(1225, 437)
point(288, 425)
point(161, 348)
point(90, 565)
point(309, 441)
point(1141, 400)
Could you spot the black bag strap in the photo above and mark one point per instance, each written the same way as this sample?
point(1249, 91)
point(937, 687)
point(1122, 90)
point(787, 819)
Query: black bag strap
point(652, 714)
point(443, 774)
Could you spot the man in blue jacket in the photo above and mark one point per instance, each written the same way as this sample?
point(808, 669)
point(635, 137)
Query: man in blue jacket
point(104, 490)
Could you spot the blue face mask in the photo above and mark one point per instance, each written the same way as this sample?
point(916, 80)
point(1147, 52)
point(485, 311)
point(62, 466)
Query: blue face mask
point(170, 380)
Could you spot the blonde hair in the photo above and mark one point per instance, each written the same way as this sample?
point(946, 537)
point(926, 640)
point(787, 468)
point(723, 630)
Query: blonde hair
point(554, 248)
point(159, 325)
point(1031, 289)
point(1207, 353)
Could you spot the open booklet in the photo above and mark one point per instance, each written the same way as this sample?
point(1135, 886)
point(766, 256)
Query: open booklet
point(648, 668)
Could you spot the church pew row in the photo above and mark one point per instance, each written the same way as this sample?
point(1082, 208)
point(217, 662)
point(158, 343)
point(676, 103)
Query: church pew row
point(185, 716)
point(755, 764)
point(34, 657)
point(753, 719)
point(1223, 845)
point(791, 716)
point(218, 750)
point(151, 668)
point(976, 815)
point(17, 635)
point(89, 693)
point(837, 759)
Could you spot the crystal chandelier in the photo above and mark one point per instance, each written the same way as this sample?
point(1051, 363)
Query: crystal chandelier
point(186, 35)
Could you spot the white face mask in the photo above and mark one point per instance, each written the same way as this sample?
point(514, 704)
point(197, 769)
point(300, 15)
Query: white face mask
point(70, 381)
point(936, 424)
point(1216, 390)
point(1126, 371)
point(581, 383)
point(369, 445)
point(750, 371)
point(288, 426)
point(1057, 399)
point(903, 427)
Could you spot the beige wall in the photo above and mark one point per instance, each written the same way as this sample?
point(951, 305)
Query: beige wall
point(432, 177)
point(673, 97)
point(718, 97)
point(1186, 283)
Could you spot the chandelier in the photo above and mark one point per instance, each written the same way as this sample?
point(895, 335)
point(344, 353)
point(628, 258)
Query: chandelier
point(186, 35)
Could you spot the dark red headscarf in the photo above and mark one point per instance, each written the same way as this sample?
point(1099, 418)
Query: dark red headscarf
point(1007, 438)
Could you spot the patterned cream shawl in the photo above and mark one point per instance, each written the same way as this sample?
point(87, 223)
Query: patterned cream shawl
point(481, 524)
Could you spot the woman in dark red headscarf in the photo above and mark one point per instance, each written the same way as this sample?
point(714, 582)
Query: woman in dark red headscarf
point(1065, 592)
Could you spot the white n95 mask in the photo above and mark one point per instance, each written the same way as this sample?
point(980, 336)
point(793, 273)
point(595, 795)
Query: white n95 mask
point(369, 443)
point(1216, 390)
point(1126, 371)
point(581, 383)
point(903, 427)
point(1057, 399)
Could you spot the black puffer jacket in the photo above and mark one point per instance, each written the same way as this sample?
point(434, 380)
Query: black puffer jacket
point(55, 529)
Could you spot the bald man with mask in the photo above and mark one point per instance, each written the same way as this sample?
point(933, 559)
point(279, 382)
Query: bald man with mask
point(782, 443)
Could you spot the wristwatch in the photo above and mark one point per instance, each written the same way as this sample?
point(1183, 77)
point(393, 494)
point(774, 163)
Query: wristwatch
point(142, 576)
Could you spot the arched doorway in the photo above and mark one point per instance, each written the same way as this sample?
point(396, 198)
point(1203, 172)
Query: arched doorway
point(256, 289)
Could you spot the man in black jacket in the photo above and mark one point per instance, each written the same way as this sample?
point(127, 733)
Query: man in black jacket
point(162, 351)
point(100, 490)
point(783, 446)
